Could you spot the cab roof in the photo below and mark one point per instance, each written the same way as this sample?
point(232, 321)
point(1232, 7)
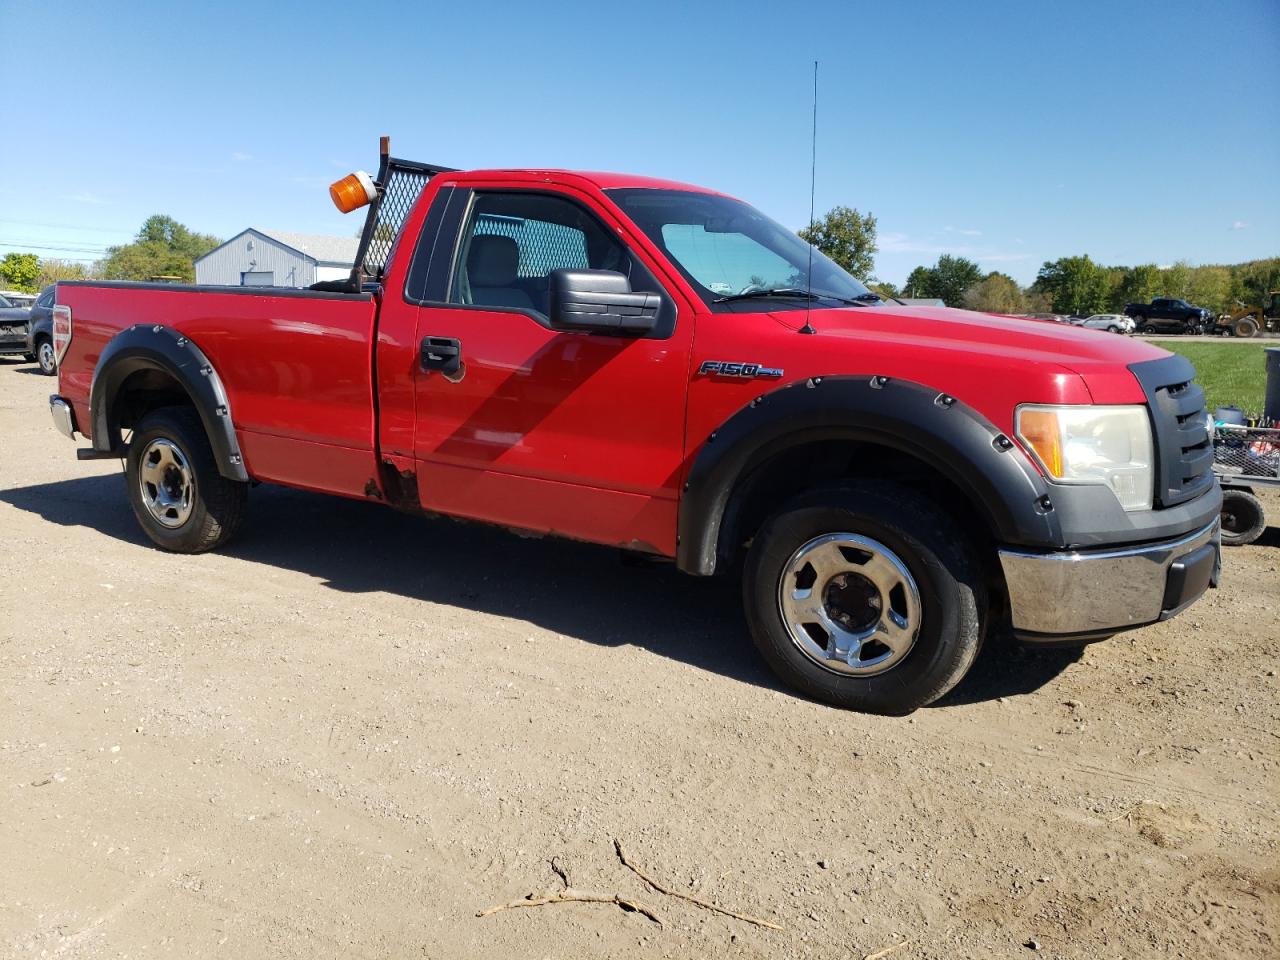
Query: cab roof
point(598, 179)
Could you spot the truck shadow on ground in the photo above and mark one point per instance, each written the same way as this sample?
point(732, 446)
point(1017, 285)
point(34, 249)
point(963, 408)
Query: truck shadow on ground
point(579, 590)
point(21, 365)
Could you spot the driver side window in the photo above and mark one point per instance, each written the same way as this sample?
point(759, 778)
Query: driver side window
point(513, 241)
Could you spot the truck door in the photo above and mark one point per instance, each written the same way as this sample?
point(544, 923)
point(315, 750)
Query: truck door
point(578, 434)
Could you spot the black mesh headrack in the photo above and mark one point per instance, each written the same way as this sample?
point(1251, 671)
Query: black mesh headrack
point(399, 183)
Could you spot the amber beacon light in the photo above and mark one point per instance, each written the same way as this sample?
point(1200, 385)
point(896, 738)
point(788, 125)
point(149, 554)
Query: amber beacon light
point(353, 191)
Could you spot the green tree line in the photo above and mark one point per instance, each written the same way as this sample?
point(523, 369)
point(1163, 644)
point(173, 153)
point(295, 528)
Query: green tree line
point(1078, 285)
point(1073, 285)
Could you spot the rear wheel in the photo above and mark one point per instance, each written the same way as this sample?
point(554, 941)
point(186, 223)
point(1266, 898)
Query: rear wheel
point(1243, 518)
point(180, 499)
point(45, 356)
point(865, 596)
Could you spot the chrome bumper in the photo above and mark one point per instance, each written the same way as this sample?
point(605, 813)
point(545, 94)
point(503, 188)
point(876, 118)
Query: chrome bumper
point(1095, 592)
point(64, 418)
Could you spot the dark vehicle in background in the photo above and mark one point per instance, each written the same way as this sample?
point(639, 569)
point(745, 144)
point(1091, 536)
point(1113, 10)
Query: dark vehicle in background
point(1169, 315)
point(14, 322)
point(40, 332)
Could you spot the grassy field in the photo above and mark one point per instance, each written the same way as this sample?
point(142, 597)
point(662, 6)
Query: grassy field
point(1231, 373)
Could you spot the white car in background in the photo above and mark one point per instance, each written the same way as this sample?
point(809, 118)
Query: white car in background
point(1111, 322)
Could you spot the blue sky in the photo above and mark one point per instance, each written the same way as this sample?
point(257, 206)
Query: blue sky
point(1011, 133)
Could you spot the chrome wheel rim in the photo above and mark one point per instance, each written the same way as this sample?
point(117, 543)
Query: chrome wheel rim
point(166, 483)
point(45, 355)
point(850, 604)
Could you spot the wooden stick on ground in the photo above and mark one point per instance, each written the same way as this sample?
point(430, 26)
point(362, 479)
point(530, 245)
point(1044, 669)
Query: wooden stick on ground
point(622, 855)
point(886, 951)
point(569, 895)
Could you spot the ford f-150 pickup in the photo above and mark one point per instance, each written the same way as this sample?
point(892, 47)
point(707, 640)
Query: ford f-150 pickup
point(655, 366)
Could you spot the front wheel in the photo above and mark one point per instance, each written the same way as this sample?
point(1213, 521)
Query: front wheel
point(180, 499)
point(865, 596)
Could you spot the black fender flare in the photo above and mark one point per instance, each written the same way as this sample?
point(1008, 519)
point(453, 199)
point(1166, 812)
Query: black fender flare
point(909, 417)
point(157, 347)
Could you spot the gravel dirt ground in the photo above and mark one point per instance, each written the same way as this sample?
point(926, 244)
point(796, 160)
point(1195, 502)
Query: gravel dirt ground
point(355, 730)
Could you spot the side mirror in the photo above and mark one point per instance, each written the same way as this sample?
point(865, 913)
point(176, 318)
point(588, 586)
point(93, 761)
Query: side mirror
point(600, 301)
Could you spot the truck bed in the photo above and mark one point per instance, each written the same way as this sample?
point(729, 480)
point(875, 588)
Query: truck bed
point(296, 366)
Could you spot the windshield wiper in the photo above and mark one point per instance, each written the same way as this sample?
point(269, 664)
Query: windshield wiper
point(768, 292)
point(858, 301)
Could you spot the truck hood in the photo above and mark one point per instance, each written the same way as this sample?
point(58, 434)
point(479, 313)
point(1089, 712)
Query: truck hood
point(1101, 359)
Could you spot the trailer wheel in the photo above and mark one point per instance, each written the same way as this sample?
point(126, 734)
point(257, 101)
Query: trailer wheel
point(865, 596)
point(1245, 327)
point(180, 499)
point(1243, 518)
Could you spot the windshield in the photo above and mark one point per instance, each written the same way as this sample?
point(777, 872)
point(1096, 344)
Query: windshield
point(726, 248)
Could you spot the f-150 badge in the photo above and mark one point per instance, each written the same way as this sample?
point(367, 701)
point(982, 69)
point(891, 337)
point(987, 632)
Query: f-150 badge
point(723, 368)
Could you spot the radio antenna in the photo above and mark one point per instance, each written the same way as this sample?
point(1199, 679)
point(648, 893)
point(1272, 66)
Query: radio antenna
point(813, 179)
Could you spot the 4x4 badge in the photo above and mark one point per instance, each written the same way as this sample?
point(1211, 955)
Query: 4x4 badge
point(722, 368)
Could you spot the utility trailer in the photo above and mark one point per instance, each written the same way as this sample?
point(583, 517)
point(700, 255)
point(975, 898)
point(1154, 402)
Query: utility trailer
point(1245, 458)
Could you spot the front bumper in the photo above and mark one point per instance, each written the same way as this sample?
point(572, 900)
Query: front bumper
point(1088, 594)
point(64, 416)
point(13, 340)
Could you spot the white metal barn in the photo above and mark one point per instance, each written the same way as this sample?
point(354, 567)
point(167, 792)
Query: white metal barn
point(270, 258)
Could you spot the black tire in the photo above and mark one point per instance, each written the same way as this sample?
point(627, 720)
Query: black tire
point(214, 507)
point(1113, 329)
point(935, 552)
point(1245, 328)
point(1142, 326)
point(1243, 518)
point(45, 357)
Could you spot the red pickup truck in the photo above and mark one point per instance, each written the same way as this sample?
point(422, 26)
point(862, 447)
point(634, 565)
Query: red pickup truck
point(662, 368)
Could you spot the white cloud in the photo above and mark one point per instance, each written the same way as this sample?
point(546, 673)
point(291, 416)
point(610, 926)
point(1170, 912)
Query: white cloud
point(240, 156)
point(87, 197)
point(963, 233)
point(1239, 225)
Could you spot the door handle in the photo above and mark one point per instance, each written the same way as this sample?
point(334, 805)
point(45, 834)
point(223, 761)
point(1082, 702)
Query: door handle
point(441, 353)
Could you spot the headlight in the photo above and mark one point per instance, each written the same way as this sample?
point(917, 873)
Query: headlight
point(1093, 444)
